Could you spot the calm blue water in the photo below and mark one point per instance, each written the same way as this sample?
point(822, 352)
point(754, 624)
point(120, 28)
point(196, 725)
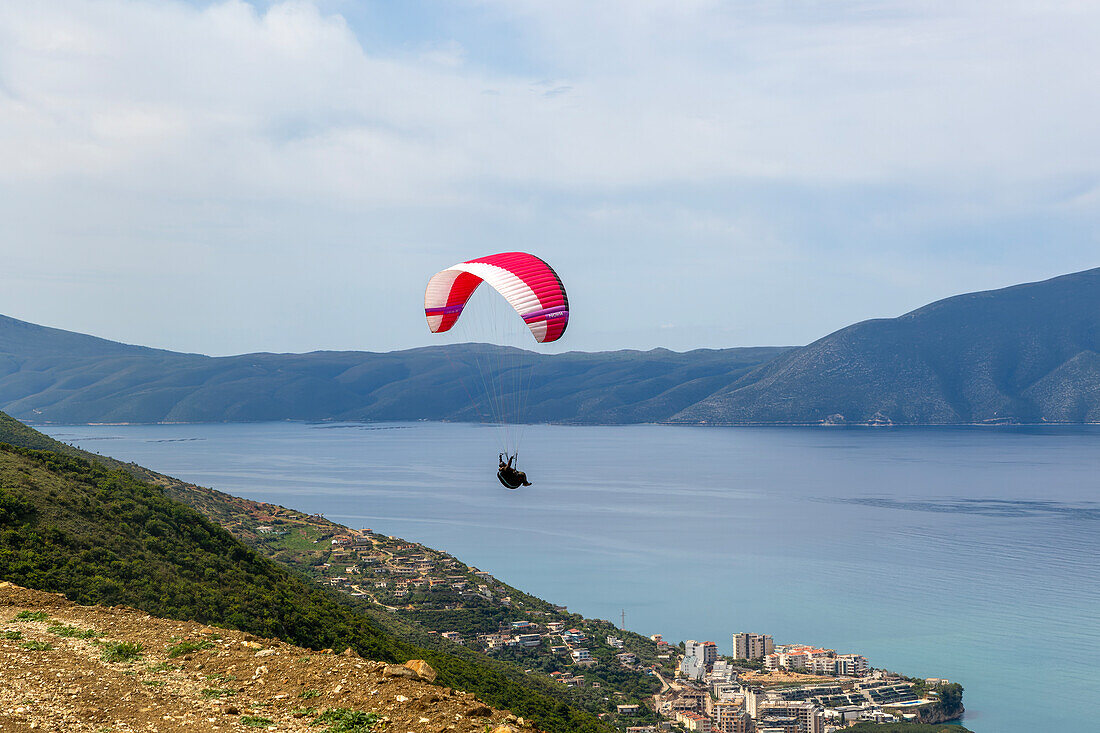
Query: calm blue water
point(971, 554)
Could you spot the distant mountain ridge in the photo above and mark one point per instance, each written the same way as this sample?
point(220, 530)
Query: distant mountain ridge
point(50, 375)
point(19, 337)
point(1023, 354)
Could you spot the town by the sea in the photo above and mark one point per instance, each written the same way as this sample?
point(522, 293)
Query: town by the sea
point(970, 554)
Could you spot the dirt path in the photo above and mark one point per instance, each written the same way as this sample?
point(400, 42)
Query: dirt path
point(57, 673)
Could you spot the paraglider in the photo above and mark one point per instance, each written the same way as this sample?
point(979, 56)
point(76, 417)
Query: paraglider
point(510, 476)
point(537, 304)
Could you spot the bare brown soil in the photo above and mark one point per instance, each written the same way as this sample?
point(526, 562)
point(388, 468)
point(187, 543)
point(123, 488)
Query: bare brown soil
point(785, 677)
point(238, 682)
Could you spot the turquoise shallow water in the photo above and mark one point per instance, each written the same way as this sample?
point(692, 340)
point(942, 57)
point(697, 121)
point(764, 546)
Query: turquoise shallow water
point(970, 554)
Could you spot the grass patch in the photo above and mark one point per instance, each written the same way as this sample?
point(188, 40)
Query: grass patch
point(303, 712)
point(343, 720)
point(299, 539)
point(72, 632)
point(38, 646)
point(212, 692)
point(12, 635)
point(186, 647)
point(31, 616)
point(255, 721)
point(220, 677)
point(153, 683)
point(163, 667)
point(121, 651)
point(308, 694)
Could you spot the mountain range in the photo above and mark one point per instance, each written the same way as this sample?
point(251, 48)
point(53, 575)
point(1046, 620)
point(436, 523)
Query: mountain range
point(1023, 354)
point(49, 375)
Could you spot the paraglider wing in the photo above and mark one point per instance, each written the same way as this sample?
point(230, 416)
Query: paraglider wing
point(528, 284)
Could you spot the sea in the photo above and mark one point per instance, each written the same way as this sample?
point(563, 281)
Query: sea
point(971, 554)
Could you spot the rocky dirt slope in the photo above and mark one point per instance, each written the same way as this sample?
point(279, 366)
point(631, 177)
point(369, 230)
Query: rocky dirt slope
point(65, 667)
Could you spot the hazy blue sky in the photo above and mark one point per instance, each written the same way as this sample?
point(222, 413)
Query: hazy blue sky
point(225, 177)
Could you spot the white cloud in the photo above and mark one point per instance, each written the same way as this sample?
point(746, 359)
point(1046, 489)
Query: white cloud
point(144, 135)
point(960, 92)
point(286, 102)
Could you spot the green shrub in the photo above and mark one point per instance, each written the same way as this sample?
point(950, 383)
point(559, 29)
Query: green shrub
point(255, 721)
point(13, 508)
point(121, 651)
point(37, 646)
point(343, 720)
point(72, 632)
point(31, 616)
point(186, 647)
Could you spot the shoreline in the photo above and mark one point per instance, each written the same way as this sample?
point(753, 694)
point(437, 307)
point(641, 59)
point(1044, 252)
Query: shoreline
point(702, 424)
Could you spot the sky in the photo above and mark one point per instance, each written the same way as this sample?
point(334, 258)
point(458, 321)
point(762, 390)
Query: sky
point(225, 177)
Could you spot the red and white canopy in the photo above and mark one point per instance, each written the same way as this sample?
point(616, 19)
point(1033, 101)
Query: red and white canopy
point(528, 284)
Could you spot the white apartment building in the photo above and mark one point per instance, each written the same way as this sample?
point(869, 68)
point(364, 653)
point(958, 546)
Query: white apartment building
point(754, 699)
point(722, 671)
point(705, 651)
point(693, 722)
point(811, 719)
point(846, 665)
point(527, 640)
point(752, 646)
point(729, 716)
point(796, 656)
point(852, 665)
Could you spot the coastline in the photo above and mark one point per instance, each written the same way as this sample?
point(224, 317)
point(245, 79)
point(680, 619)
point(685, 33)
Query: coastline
point(702, 423)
